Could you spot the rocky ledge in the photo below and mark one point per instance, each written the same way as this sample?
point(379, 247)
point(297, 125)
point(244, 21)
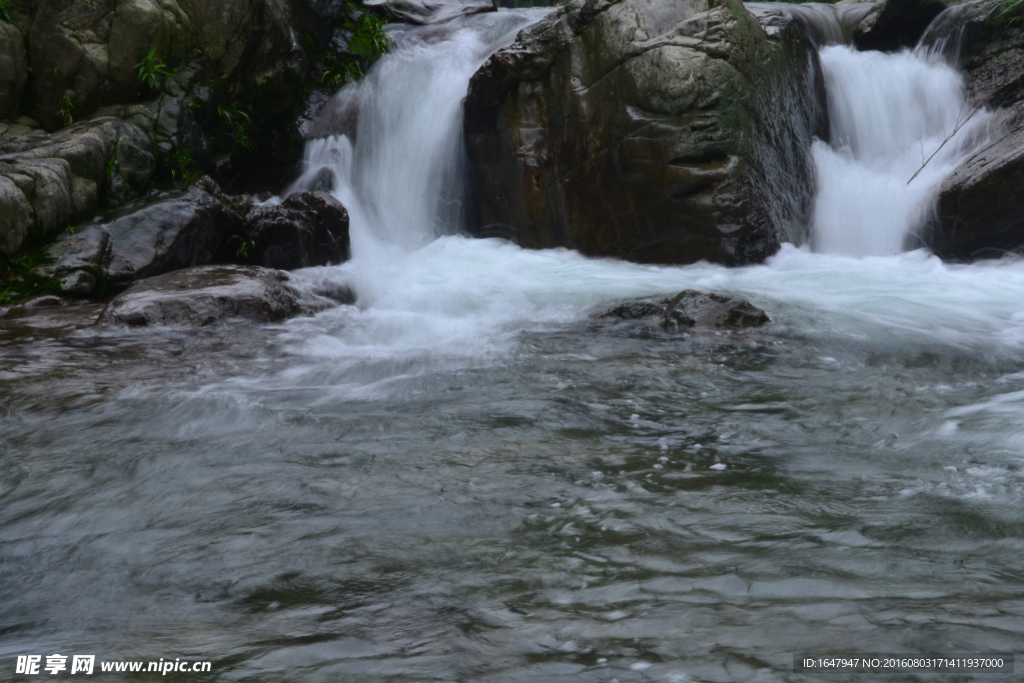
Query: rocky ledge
point(196, 297)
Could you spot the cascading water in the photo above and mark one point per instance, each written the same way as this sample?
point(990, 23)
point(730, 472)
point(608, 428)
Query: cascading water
point(404, 177)
point(900, 124)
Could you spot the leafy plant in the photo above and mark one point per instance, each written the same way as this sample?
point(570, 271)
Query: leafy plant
point(152, 71)
point(337, 73)
point(182, 165)
point(239, 125)
point(246, 246)
point(5, 10)
point(67, 110)
point(1006, 14)
point(369, 39)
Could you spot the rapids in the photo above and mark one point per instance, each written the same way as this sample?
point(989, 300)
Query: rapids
point(465, 478)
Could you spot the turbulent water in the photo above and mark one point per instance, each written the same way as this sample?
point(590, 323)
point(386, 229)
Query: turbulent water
point(465, 478)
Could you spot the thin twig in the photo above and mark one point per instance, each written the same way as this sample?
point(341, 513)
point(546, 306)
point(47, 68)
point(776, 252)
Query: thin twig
point(948, 138)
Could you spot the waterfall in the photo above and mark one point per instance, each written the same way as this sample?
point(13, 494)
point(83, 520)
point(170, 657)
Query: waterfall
point(401, 168)
point(900, 124)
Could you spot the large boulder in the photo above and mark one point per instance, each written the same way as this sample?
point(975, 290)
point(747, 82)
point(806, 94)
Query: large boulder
point(196, 297)
point(981, 208)
point(13, 70)
point(431, 11)
point(174, 230)
point(663, 131)
point(306, 229)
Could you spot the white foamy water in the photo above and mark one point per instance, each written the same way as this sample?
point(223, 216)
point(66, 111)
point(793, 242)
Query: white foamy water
point(890, 113)
point(403, 181)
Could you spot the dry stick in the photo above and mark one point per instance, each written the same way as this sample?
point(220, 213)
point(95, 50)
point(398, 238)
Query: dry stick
point(948, 138)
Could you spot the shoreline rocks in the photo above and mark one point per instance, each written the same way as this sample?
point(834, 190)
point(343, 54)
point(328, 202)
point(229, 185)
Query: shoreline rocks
point(197, 297)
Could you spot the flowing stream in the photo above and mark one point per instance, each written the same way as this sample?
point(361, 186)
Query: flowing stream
point(465, 478)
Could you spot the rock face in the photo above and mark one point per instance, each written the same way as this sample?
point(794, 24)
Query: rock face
point(431, 11)
point(894, 24)
point(306, 229)
point(691, 308)
point(981, 208)
point(195, 297)
point(663, 131)
point(13, 70)
point(48, 182)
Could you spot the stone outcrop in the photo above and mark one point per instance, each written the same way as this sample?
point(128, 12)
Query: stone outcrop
point(431, 11)
point(158, 235)
point(896, 24)
point(196, 297)
point(663, 131)
point(50, 182)
point(196, 226)
point(690, 308)
point(13, 70)
point(981, 208)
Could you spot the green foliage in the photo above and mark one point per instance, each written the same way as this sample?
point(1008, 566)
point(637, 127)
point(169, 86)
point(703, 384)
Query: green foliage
point(5, 10)
point(245, 248)
point(152, 71)
point(369, 39)
point(18, 281)
point(109, 168)
point(67, 110)
point(1006, 14)
point(181, 165)
point(337, 73)
point(239, 125)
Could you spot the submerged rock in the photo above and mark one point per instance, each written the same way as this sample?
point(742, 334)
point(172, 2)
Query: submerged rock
point(981, 208)
point(691, 308)
point(663, 131)
point(196, 297)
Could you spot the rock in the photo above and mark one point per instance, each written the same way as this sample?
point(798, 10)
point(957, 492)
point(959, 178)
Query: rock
point(173, 231)
point(431, 11)
point(981, 209)
point(64, 177)
point(895, 24)
point(200, 296)
point(659, 131)
point(13, 70)
point(691, 308)
point(823, 24)
point(306, 229)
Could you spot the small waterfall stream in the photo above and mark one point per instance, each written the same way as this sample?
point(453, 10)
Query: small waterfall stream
point(900, 125)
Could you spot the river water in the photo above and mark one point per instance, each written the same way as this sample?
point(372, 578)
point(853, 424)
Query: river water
point(466, 478)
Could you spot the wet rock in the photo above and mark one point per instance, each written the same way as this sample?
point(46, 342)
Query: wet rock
point(13, 70)
point(200, 296)
point(895, 24)
point(306, 229)
point(48, 182)
point(431, 11)
point(655, 131)
point(691, 308)
point(172, 231)
point(981, 209)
